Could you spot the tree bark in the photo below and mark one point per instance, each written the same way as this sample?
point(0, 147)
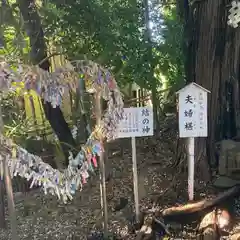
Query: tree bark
point(39, 53)
point(182, 211)
point(212, 50)
point(151, 70)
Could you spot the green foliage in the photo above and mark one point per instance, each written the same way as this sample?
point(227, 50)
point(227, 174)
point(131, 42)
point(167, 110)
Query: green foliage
point(15, 123)
point(113, 34)
point(170, 50)
point(12, 33)
point(109, 32)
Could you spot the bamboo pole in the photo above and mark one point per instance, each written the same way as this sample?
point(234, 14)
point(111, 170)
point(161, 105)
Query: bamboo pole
point(103, 192)
point(11, 205)
point(9, 190)
point(2, 188)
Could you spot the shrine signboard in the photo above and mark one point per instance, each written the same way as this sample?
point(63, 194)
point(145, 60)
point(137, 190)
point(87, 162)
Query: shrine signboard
point(192, 122)
point(136, 122)
point(192, 111)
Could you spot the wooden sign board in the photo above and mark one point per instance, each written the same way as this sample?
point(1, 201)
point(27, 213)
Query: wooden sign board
point(192, 111)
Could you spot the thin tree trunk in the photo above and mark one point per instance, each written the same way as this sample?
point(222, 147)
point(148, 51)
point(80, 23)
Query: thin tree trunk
point(38, 53)
point(150, 57)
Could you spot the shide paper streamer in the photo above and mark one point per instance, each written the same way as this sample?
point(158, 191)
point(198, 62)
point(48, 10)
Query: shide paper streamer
point(234, 14)
point(51, 87)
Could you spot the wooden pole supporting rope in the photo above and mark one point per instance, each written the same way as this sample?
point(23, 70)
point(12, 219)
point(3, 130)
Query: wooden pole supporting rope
point(103, 191)
point(9, 190)
point(11, 205)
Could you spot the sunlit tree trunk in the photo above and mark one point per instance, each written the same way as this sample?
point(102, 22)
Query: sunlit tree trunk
point(152, 78)
point(212, 53)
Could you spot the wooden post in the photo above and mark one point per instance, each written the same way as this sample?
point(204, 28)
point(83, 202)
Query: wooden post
point(135, 179)
point(2, 189)
point(9, 190)
point(103, 192)
point(191, 161)
point(2, 205)
point(11, 205)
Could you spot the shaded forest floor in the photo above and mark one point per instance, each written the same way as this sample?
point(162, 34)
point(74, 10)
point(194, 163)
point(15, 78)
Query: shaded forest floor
point(43, 217)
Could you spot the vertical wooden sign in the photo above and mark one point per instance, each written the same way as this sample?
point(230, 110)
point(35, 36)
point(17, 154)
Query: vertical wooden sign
point(192, 122)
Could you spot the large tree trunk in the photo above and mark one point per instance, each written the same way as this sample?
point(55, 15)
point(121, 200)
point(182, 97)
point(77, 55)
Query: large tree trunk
point(38, 54)
point(212, 49)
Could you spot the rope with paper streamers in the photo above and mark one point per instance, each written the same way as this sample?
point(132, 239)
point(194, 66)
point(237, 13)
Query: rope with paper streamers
point(234, 14)
point(51, 87)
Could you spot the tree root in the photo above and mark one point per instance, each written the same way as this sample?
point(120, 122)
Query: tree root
point(175, 212)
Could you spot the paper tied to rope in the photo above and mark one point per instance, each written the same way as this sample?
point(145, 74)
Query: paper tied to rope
point(96, 78)
point(6, 77)
point(234, 14)
point(100, 80)
point(64, 78)
point(31, 167)
point(88, 152)
point(51, 87)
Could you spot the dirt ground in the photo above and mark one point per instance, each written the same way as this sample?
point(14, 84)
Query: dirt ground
point(44, 217)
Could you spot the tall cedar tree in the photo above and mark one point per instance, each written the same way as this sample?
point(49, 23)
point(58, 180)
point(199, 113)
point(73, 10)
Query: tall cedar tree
point(212, 60)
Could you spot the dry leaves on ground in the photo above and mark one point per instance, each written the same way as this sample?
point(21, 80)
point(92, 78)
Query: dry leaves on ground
point(43, 217)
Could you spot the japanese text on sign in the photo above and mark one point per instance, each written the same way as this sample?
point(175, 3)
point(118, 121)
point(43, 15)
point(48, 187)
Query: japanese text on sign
point(136, 122)
point(188, 113)
point(192, 112)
